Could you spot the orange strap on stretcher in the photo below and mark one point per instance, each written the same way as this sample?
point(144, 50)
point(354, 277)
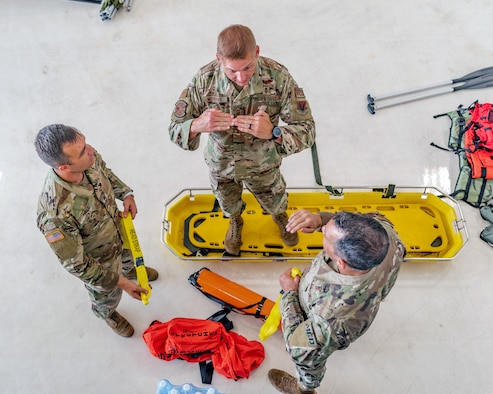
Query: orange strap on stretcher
point(230, 294)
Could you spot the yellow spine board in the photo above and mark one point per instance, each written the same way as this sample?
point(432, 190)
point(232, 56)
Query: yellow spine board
point(131, 241)
point(429, 223)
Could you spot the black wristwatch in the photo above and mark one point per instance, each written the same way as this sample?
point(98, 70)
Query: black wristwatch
point(276, 133)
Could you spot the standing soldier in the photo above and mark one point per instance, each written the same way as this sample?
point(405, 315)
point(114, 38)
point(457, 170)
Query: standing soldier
point(78, 215)
point(338, 296)
point(238, 99)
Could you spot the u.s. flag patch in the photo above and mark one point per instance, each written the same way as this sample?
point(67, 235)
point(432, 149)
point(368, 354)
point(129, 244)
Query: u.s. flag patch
point(54, 236)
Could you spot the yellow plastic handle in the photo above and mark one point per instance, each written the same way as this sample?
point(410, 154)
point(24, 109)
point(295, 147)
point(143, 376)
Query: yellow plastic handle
point(273, 321)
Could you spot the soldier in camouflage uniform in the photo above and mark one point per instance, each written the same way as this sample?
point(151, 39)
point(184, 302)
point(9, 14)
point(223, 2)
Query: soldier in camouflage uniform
point(338, 296)
point(238, 100)
point(79, 218)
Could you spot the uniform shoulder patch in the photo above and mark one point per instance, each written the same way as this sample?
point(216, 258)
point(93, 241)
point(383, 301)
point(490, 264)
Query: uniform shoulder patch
point(54, 236)
point(180, 108)
point(64, 245)
point(299, 103)
point(302, 107)
point(299, 92)
point(304, 336)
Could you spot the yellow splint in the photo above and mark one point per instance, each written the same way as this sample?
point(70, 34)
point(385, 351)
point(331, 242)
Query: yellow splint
point(273, 321)
point(130, 241)
point(430, 223)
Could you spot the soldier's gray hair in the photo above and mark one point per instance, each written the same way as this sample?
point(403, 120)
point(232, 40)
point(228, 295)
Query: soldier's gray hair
point(236, 42)
point(50, 141)
point(365, 242)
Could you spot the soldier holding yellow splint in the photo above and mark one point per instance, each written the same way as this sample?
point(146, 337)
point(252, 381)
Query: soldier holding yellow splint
point(338, 296)
point(79, 217)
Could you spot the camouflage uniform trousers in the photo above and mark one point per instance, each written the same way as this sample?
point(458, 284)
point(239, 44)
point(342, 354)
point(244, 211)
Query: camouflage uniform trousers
point(269, 188)
point(310, 376)
point(104, 302)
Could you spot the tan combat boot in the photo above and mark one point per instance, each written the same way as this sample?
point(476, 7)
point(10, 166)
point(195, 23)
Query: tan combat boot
point(285, 383)
point(152, 274)
point(288, 238)
point(232, 242)
point(119, 324)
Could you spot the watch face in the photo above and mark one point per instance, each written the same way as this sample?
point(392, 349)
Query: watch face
point(276, 132)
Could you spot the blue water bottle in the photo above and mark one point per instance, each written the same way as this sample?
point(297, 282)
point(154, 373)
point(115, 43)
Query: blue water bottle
point(166, 387)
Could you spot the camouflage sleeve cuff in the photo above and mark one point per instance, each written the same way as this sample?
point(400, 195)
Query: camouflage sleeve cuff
point(99, 276)
point(180, 134)
point(289, 298)
point(291, 312)
point(122, 193)
point(326, 216)
point(191, 144)
point(92, 273)
point(130, 193)
point(113, 281)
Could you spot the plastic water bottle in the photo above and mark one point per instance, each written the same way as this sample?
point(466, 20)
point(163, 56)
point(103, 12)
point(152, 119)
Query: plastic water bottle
point(166, 387)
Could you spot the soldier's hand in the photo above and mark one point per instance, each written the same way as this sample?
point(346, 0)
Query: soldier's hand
point(211, 120)
point(287, 282)
point(129, 206)
point(304, 221)
point(258, 125)
point(131, 288)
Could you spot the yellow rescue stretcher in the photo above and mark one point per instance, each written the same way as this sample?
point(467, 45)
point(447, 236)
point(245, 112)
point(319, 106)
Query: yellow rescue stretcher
point(429, 222)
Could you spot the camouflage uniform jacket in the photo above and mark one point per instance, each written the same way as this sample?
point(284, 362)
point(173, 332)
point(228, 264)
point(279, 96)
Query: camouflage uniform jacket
point(82, 225)
point(331, 310)
point(272, 87)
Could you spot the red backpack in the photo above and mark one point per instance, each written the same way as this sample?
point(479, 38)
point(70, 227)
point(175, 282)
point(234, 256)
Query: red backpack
point(478, 141)
point(197, 340)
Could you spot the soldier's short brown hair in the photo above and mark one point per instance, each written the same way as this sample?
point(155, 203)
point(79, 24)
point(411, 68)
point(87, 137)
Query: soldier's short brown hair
point(236, 42)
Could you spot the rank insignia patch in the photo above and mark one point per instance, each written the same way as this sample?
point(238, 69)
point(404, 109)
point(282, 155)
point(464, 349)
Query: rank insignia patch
point(299, 92)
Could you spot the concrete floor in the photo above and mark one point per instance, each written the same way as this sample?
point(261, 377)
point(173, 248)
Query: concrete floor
point(117, 82)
